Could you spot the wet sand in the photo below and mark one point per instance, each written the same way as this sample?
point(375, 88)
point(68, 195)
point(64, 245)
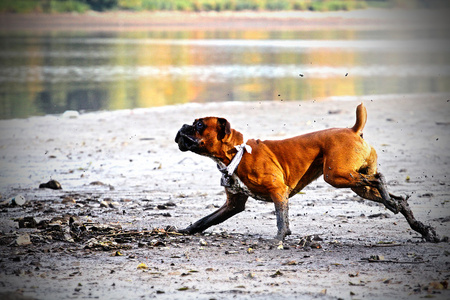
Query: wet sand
point(129, 160)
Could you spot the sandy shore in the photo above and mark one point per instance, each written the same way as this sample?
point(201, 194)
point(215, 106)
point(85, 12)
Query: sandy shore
point(129, 158)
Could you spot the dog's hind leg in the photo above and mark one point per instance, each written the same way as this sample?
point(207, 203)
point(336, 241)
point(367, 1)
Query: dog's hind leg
point(378, 191)
point(401, 205)
point(370, 184)
point(371, 187)
point(427, 231)
point(372, 193)
point(358, 170)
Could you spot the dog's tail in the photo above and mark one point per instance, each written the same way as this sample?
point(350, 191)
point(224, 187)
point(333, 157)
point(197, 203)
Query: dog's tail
point(361, 118)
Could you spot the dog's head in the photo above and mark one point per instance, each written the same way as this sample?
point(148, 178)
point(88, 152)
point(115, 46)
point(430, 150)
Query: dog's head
point(204, 136)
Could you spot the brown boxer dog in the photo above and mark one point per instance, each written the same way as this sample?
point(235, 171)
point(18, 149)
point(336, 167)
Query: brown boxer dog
point(275, 170)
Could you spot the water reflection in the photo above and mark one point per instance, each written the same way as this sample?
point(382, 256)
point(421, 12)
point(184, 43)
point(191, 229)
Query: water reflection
point(51, 73)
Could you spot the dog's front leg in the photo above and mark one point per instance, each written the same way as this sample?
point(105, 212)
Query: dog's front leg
point(234, 205)
point(280, 199)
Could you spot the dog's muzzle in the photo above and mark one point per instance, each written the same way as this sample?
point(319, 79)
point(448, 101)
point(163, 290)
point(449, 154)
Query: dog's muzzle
point(185, 140)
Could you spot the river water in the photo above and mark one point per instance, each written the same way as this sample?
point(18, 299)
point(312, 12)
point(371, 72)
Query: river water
point(49, 73)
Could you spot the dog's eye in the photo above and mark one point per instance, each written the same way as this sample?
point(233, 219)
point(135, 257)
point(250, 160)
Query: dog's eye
point(199, 126)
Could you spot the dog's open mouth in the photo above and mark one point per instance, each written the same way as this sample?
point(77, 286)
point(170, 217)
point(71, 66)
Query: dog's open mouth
point(186, 142)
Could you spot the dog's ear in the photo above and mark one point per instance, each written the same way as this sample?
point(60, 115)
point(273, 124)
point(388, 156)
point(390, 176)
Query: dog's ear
point(224, 128)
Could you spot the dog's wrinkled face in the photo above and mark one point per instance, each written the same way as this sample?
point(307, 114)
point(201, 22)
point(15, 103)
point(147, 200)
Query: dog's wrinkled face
point(204, 136)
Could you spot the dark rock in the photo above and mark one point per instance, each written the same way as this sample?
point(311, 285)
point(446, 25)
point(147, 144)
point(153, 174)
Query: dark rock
point(52, 184)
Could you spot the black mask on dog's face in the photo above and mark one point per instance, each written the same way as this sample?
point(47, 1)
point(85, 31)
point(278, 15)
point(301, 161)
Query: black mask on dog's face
point(186, 139)
point(204, 136)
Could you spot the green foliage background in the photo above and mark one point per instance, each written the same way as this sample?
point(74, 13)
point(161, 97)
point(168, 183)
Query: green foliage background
point(80, 6)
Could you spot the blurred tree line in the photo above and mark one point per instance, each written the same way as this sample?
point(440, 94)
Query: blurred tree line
point(80, 6)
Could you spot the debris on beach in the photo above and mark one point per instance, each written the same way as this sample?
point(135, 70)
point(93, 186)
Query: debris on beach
point(23, 239)
point(142, 266)
point(18, 200)
point(310, 242)
point(52, 184)
point(71, 114)
point(94, 236)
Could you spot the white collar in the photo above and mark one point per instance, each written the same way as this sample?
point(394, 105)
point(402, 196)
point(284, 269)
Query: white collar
point(237, 158)
point(228, 171)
